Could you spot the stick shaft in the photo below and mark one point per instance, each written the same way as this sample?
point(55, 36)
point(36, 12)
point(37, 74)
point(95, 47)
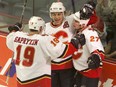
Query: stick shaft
point(73, 6)
point(22, 15)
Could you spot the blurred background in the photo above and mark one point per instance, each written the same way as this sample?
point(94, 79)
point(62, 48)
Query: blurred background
point(11, 10)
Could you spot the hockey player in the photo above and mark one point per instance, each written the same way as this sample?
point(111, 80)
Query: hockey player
point(33, 53)
point(61, 27)
point(89, 65)
point(95, 21)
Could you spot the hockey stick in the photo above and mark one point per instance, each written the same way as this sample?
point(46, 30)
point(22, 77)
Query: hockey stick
point(33, 7)
point(22, 15)
point(73, 6)
point(8, 74)
point(21, 19)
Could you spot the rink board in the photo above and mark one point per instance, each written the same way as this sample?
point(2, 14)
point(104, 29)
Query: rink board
point(108, 77)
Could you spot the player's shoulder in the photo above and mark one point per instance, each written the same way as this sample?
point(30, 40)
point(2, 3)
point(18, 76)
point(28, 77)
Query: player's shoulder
point(16, 33)
point(20, 33)
point(69, 17)
point(44, 35)
point(45, 38)
point(89, 31)
point(48, 23)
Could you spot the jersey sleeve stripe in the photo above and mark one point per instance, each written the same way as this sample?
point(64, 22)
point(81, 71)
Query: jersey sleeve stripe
point(34, 79)
point(63, 52)
point(69, 50)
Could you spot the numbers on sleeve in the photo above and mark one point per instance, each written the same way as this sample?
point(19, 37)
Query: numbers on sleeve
point(54, 41)
point(94, 39)
point(28, 56)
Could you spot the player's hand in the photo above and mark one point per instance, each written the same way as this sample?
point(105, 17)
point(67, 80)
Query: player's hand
point(79, 39)
point(15, 27)
point(93, 61)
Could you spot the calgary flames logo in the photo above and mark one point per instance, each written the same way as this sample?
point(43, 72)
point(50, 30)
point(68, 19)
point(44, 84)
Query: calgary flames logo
point(62, 35)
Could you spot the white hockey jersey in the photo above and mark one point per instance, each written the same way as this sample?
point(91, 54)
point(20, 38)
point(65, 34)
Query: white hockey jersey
point(33, 54)
point(64, 32)
point(93, 45)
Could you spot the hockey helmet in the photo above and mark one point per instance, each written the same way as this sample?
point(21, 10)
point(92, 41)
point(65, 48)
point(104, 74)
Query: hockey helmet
point(57, 7)
point(77, 17)
point(36, 22)
point(87, 10)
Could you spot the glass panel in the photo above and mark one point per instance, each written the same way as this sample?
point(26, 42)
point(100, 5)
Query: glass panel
point(11, 10)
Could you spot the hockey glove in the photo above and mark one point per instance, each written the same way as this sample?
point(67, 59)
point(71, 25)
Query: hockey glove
point(79, 39)
point(93, 61)
point(15, 27)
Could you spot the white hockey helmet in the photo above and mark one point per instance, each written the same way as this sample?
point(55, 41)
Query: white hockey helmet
point(77, 18)
point(57, 7)
point(36, 22)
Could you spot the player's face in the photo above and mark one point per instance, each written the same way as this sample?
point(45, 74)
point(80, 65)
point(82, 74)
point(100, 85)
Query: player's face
point(76, 25)
point(57, 18)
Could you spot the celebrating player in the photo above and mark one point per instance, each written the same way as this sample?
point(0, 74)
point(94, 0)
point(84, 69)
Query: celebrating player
point(89, 65)
point(33, 53)
point(61, 27)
